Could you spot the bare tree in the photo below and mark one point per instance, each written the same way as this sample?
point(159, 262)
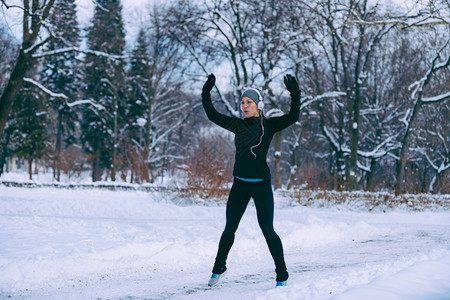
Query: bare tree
point(347, 51)
point(441, 61)
point(156, 77)
point(432, 144)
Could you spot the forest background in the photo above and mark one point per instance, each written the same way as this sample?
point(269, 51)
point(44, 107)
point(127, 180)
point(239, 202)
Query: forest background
point(88, 98)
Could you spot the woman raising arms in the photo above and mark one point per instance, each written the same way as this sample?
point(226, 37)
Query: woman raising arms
point(252, 178)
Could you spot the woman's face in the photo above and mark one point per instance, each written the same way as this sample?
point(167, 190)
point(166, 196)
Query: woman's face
point(249, 107)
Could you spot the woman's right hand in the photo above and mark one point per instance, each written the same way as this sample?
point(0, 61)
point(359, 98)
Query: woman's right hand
point(209, 84)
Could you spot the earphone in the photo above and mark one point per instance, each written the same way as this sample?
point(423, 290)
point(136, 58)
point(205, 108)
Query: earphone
point(261, 105)
point(261, 99)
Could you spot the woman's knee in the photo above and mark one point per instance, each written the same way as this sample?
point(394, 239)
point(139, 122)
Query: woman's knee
point(269, 233)
point(230, 229)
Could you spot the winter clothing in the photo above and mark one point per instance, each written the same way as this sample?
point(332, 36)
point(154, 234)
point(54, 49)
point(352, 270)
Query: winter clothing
point(281, 283)
point(252, 175)
point(240, 195)
point(291, 84)
point(248, 132)
point(253, 94)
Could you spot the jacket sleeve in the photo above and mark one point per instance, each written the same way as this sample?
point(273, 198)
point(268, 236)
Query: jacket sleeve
point(214, 116)
point(280, 123)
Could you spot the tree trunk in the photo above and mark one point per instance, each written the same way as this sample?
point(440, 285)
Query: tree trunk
point(115, 140)
point(96, 167)
point(417, 105)
point(371, 175)
point(59, 142)
point(354, 139)
point(148, 140)
point(15, 83)
point(30, 167)
point(292, 170)
point(294, 164)
point(405, 144)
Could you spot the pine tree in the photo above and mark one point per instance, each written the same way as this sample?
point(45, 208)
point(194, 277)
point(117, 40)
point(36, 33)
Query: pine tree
point(8, 49)
point(26, 132)
point(104, 79)
point(139, 108)
point(60, 74)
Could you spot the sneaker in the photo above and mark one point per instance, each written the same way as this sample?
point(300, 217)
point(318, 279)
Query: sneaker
point(215, 278)
point(281, 283)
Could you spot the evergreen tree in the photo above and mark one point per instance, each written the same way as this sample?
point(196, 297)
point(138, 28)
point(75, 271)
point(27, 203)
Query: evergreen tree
point(8, 49)
point(61, 75)
point(26, 131)
point(138, 78)
point(139, 108)
point(104, 78)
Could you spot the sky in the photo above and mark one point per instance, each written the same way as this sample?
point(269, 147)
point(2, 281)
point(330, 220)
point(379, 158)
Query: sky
point(134, 13)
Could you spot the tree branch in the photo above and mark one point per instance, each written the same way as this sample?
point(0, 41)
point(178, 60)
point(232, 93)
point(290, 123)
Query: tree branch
point(79, 50)
point(62, 96)
point(435, 99)
point(433, 22)
point(45, 90)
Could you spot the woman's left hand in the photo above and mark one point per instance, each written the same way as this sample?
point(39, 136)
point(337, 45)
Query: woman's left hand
point(291, 84)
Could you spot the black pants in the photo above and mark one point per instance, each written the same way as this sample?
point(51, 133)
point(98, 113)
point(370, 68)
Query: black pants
point(240, 195)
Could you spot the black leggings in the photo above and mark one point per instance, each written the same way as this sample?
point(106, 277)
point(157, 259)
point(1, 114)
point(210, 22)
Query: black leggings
point(240, 195)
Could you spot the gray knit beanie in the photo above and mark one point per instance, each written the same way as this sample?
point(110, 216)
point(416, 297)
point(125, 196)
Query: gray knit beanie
point(252, 94)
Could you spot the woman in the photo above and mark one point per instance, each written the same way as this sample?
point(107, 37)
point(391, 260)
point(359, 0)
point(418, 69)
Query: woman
point(253, 135)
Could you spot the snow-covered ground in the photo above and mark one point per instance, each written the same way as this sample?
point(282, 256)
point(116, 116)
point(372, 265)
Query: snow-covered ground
point(96, 244)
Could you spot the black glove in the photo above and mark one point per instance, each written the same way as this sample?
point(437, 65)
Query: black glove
point(291, 84)
point(209, 84)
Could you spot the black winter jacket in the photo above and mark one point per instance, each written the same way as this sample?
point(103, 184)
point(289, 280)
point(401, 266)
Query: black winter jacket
point(248, 132)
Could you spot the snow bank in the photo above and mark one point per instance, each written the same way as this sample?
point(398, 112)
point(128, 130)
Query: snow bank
point(425, 280)
point(85, 244)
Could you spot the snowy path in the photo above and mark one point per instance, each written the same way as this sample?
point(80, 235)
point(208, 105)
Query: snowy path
point(91, 244)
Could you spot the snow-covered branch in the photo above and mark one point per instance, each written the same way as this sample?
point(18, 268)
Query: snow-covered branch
point(86, 101)
point(331, 136)
point(45, 90)
point(445, 164)
point(427, 21)
point(172, 128)
point(63, 96)
point(438, 98)
point(435, 66)
point(378, 152)
point(363, 167)
point(309, 100)
point(77, 49)
point(36, 46)
point(100, 6)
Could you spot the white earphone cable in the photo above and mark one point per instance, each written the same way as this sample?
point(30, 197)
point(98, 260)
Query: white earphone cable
point(260, 139)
